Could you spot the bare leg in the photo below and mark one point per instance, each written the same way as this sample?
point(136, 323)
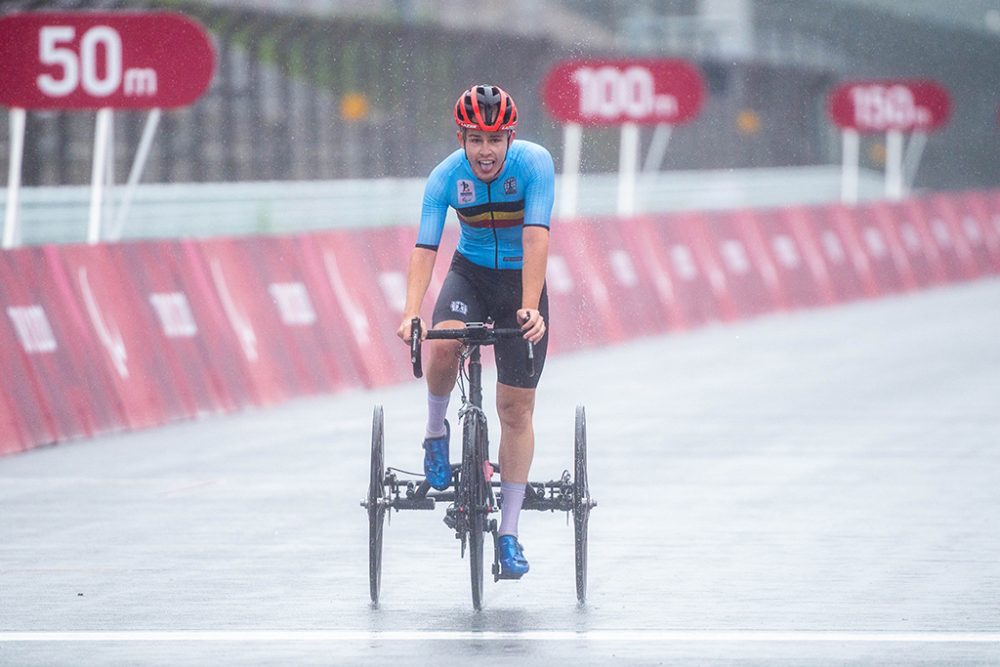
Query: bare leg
point(442, 366)
point(516, 407)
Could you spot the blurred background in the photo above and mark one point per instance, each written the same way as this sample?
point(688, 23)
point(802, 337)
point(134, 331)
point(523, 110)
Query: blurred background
point(310, 96)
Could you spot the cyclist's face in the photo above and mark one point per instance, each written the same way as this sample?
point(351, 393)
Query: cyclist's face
point(486, 151)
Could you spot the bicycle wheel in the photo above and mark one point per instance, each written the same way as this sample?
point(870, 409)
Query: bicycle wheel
point(581, 502)
point(474, 499)
point(376, 507)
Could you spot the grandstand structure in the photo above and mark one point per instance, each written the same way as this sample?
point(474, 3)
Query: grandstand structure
point(325, 90)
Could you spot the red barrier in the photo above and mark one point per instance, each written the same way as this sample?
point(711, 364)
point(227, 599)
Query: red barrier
point(221, 342)
point(955, 261)
point(572, 323)
point(596, 314)
point(350, 264)
point(979, 208)
point(29, 353)
point(699, 284)
point(242, 284)
point(846, 263)
point(643, 250)
point(869, 249)
point(967, 237)
point(121, 324)
point(94, 339)
point(736, 244)
point(813, 284)
point(172, 329)
point(908, 220)
point(73, 384)
point(633, 278)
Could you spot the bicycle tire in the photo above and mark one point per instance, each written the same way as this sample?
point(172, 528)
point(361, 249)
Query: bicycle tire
point(474, 499)
point(581, 503)
point(376, 508)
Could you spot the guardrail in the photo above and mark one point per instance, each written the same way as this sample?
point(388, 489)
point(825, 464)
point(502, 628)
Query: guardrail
point(59, 214)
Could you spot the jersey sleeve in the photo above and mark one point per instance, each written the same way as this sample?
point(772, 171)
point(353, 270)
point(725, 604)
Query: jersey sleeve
point(539, 194)
point(434, 209)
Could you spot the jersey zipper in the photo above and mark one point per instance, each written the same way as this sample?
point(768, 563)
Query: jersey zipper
point(493, 223)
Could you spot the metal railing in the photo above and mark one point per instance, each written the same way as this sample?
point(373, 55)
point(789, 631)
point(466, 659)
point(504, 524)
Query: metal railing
point(59, 214)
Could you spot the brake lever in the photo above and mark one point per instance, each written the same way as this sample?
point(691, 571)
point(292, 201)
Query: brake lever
point(415, 333)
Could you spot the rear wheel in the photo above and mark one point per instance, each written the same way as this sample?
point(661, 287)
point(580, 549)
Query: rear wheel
point(581, 502)
point(474, 499)
point(376, 506)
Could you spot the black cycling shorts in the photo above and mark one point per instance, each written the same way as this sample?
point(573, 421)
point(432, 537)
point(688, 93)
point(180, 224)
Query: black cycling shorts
point(473, 293)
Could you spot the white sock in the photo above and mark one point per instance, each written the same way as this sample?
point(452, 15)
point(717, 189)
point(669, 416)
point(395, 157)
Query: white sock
point(513, 498)
point(437, 408)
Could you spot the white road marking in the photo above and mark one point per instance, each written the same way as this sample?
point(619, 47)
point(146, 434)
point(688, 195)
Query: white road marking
point(660, 636)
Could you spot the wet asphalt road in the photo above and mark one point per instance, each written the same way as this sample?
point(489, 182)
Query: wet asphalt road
point(810, 488)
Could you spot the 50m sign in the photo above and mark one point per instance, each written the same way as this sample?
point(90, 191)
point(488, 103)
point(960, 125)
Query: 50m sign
point(91, 60)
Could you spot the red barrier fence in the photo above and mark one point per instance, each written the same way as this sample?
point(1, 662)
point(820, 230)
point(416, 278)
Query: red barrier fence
point(95, 339)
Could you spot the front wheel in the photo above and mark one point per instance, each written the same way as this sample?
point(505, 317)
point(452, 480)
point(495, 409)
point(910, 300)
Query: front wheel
point(474, 498)
point(376, 505)
point(582, 503)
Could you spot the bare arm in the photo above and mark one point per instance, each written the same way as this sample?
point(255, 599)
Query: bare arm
point(418, 278)
point(535, 242)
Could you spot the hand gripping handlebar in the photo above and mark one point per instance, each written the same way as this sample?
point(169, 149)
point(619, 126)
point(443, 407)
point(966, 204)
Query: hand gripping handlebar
point(474, 333)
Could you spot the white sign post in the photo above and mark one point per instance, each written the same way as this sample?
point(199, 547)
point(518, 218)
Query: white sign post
point(98, 175)
point(894, 188)
point(570, 186)
point(850, 171)
point(628, 163)
point(11, 215)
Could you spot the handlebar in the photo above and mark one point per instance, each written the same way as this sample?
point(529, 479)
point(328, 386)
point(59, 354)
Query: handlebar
point(474, 333)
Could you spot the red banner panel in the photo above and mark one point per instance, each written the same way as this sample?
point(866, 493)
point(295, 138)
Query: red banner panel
point(751, 277)
point(698, 281)
point(100, 284)
point(979, 212)
point(597, 318)
point(242, 280)
point(349, 265)
point(795, 258)
point(30, 354)
point(967, 236)
point(846, 265)
point(642, 240)
point(72, 382)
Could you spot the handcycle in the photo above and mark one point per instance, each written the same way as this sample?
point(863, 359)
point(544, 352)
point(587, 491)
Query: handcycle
point(471, 499)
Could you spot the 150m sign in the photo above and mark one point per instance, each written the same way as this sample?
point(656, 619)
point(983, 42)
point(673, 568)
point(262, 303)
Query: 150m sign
point(881, 106)
point(98, 60)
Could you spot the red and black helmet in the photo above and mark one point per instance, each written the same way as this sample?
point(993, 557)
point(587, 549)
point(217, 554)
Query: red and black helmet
point(487, 108)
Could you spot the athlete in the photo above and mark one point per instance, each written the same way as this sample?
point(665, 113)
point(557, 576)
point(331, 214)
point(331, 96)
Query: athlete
point(502, 191)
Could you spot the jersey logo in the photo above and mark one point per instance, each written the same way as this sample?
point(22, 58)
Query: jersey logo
point(510, 186)
point(459, 307)
point(466, 192)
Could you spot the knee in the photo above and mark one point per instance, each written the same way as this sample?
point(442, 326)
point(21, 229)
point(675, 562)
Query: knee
point(444, 352)
point(515, 411)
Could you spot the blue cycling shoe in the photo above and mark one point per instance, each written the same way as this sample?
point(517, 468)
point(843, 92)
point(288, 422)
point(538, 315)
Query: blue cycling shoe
point(513, 564)
point(437, 465)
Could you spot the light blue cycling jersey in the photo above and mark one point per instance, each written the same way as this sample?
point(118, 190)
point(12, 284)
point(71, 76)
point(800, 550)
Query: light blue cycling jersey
point(493, 215)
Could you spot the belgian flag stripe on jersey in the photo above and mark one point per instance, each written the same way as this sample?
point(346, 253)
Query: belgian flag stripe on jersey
point(495, 214)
